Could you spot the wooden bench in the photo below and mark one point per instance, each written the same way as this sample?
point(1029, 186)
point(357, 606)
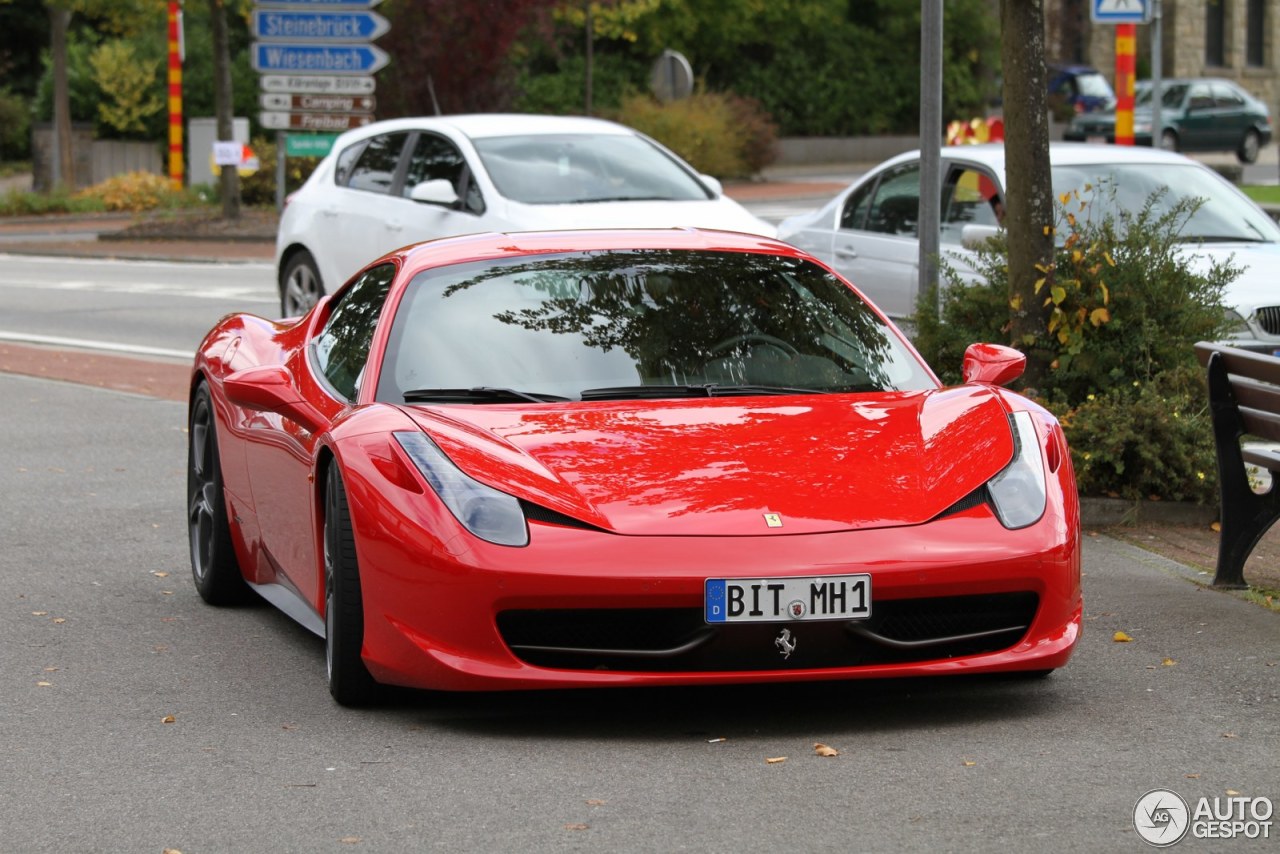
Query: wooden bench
point(1244, 399)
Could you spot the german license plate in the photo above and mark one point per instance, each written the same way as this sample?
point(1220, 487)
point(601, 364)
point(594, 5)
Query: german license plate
point(1096, 140)
point(782, 600)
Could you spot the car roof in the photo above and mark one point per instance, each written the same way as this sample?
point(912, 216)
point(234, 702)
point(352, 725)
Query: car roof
point(485, 246)
point(482, 125)
point(992, 154)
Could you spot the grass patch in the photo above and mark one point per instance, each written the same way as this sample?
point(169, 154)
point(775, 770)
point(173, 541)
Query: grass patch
point(1263, 194)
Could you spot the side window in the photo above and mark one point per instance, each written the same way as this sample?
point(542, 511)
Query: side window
point(970, 197)
point(854, 215)
point(375, 168)
point(342, 347)
point(1225, 96)
point(1200, 98)
point(436, 158)
point(896, 206)
point(346, 161)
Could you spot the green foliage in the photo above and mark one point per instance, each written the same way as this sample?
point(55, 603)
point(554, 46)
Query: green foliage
point(559, 87)
point(259, 189)
point(1122, 313)
point(24, 203)
point(721, 135)
point(80, 83)
point(817, 67)
point(1145, 441)
point(128, 84)
point(15, 126)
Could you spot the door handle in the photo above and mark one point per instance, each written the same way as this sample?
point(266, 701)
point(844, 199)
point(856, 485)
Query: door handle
point(846, 254)
point(394, 225)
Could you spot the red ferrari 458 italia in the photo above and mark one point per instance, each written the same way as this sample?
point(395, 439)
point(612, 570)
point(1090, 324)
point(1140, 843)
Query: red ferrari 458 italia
point(658, 457)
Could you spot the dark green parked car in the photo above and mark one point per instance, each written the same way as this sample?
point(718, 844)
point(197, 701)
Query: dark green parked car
point(1201, 114)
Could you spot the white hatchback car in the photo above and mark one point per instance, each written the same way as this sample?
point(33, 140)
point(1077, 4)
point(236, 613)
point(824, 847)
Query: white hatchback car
point(868, 232)
point(402, 181)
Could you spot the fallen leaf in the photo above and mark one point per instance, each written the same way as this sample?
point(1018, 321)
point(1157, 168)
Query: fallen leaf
point(1228, 735)
point(39, 613)
point(171, 851)
point(716, 740)
point(168, 719)
point(577, 826)
point(969, 763)
point(775, 760)
point(596, 802)
point(1121, 637)
point(167, 592)
point(51, 670)
point(349, 840)
point(822, 750)
point(45, 684)
point(59, 620)
point(1168, 662)
point(160, 574)
point(1232, 792)
point(1193, 776)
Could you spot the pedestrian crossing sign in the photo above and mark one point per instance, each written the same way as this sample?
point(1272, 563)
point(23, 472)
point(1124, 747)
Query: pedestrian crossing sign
point(1121, 11)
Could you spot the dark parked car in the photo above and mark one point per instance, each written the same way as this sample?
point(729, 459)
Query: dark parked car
point(1077, 89)
point(1203, 114)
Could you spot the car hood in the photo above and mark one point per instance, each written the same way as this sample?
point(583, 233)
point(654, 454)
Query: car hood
point(717, 466)
point(1260, 270)
point(722, 213)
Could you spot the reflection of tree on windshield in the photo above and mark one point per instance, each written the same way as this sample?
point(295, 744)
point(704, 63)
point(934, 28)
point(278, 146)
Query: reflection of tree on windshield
point(702, 316)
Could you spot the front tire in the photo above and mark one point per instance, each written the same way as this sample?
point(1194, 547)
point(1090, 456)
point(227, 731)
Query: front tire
point(349, 680)
point(1249, 147)
point(300, 286)
point(214, 566)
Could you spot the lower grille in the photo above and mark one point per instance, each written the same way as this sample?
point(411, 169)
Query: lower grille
point(677, 639)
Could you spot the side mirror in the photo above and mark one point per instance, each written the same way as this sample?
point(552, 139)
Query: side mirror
point(712, 184)
point(992, 363)
point(270, 388)
point(437, 191)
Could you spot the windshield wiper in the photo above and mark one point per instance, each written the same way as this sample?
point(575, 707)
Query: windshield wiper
point(596, 199)
point(652, 392)
point(478, 394)
point(1222, 238)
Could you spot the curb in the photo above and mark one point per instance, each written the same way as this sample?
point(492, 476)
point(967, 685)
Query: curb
point(1111, 512)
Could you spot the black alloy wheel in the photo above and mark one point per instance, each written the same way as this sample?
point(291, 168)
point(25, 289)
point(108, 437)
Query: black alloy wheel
point(214, 566)
point(349, 679)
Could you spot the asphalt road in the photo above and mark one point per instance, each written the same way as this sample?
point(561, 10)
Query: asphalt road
point(103, 639)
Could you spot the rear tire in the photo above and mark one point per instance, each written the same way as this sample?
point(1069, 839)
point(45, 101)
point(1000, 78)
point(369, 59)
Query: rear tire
point(214, 566)
point(300, 286)
point(349, 679)
point(1249, 147)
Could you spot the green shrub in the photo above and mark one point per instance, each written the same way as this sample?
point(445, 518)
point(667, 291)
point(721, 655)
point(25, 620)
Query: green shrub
point(25, 203)
point(259, 189)
point(719, 134)
point(15, 125)
point(1123, 312)
point(136, 192)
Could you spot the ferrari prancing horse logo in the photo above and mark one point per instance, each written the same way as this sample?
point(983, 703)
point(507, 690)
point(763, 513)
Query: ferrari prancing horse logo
point(773, 520)
point(785, 643)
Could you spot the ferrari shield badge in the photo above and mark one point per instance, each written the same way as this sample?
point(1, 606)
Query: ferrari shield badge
point(773, 520)
point(785, 643)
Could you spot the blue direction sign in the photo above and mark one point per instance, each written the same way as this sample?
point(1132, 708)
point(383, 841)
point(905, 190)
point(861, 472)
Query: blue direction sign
point(320, 4)
point(1121, 11)
point(288, 25)
point(267, 57)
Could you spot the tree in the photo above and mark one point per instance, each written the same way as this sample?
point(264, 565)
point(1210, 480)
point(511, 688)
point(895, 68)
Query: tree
point(229, 177)
point(1029, 197)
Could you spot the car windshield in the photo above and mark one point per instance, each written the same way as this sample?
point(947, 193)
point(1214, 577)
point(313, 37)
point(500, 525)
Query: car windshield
point(553, 169)
point(1224, 215)
point(637, 324)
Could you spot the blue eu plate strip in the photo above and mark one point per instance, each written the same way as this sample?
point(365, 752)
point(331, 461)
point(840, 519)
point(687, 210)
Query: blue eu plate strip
point(714, 598)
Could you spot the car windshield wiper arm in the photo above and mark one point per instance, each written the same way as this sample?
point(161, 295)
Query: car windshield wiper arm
point(1222, 238)
point(596, 199)
point(646, 392)
point(478, 394)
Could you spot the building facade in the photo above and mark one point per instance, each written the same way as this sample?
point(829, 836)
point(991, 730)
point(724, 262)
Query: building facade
point(1235, 39)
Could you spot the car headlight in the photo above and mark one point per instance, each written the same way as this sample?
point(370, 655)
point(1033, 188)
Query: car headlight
point(484, 511)
point(1237, 328)
point(1018, 492)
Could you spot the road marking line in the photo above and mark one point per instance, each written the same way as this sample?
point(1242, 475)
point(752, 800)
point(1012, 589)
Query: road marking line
point(83, 344)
